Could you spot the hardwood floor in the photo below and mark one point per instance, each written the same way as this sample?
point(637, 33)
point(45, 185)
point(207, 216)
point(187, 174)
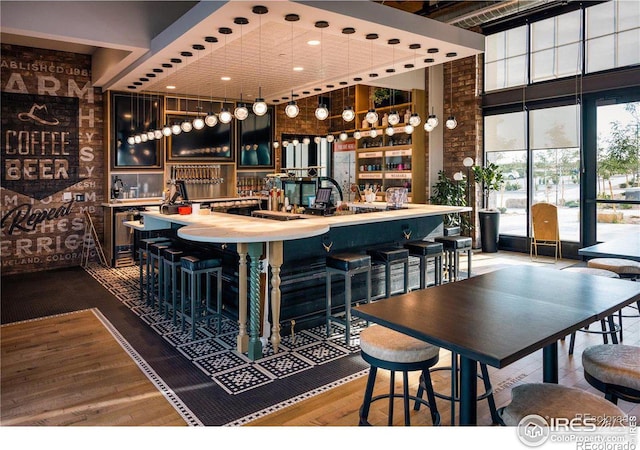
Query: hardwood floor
point(70, 370)
point(340, 406)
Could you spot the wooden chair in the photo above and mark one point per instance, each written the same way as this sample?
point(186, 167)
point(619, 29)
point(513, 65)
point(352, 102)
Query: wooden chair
point(545, 228)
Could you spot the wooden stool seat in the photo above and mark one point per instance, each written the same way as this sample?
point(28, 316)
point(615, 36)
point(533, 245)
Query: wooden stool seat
point(550, 400)
point(613, 370)
point(384, 348)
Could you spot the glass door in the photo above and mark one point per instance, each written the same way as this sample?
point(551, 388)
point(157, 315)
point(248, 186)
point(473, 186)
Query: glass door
point(618, 170)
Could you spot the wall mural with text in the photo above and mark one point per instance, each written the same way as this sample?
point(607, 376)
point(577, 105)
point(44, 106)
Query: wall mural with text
point(52, 165)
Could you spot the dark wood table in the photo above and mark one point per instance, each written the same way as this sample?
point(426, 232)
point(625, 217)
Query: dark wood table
point(626, 248)
point(501, 317)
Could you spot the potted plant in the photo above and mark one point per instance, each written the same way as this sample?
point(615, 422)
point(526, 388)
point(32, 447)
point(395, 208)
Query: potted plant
point(452, 193)
point(490, 178)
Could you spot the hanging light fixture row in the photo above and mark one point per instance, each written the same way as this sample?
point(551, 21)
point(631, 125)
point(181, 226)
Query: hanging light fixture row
point(292, 110)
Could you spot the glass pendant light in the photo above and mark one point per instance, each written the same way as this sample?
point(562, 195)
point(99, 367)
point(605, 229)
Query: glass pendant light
point(306, 141)
point(166, 130)
point(292, 110)
point(373, 133)
point(259, 106)
point(357, 135)
point(285, 143)
point(186, 126)
point(322, 112)
point(241, 112)
point(371, 117)
point(211, 120)
point(225, 116)
point(143, 137)
point(389, 131)
point(175, 129)
point(198, 123)
point(137, 139)
point(295, 142)
point(343, 136)
point(451, 122)
point(330, 138)
point(393, 118)
point(151, 135)
point(317, 139)
point(131, 140)
point(414, 120)
point(408, 128)
point(432, 120)
point(276, 144)
point(428, 127)
point(348, 114)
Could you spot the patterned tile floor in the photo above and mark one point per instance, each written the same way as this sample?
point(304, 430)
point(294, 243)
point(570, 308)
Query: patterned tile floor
point(214, 353)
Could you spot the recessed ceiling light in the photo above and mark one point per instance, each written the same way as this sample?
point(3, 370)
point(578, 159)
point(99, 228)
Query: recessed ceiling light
point(298, 69)
point(225, 78)
point(171, 87)
point(313, 42)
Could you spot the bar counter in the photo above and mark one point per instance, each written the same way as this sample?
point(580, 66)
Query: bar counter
point(295, 250)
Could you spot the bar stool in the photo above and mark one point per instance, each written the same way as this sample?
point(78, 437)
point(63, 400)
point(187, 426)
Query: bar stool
point(453, 246)
point(384, 348)
point(155, 287)
point(613, 328)
point(388, 256)
point(426, 251)
point(625, 268)
point(613, 370)
point(192, 307)
point(144, 260)
point(550, 400)
point(170, 265)
point(455, 384)
point(348, 265)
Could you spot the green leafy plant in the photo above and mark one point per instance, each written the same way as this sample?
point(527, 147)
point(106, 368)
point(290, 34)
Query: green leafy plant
point(490, 178)
point(449, 192)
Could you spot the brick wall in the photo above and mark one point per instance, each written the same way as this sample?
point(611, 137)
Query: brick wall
point(462, 88)
point(52, 146)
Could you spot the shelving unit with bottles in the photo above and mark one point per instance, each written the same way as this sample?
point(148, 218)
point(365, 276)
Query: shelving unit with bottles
point(387, 161)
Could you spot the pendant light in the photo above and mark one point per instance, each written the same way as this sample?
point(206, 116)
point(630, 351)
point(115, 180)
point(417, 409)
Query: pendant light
point(292, 110)
point(259, 106)
point(393, 117)
point(131, 139)
point(166, 128)
point(211, 120)
point(225, 115)
point(241, 112)
point(357, 135)
point(432, 121)
point(451, 122)
point(372, 116)
point(186, 124)
point(348, 114)
point(198, 121)
point(321, 111)
point(414, 118)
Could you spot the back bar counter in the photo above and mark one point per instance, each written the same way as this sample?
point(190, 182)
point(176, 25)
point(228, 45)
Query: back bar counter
point(295, 248)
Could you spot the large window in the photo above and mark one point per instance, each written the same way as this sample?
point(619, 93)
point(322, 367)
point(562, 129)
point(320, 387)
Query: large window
point(612, 35)
point(506, 59)
point(552, 152)
point(555, 47)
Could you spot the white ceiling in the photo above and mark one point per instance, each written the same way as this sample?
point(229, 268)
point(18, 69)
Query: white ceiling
point(261, 53)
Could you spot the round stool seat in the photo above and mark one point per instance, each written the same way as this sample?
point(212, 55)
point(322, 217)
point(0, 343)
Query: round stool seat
point(593, 271)
point(618, 265)
point(388, 345)
point(554, 400)
point(617, 365)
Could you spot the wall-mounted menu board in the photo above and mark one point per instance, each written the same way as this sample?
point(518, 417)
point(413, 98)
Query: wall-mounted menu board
point(211, 143)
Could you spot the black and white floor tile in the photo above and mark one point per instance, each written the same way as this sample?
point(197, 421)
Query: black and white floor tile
point(215, 353)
